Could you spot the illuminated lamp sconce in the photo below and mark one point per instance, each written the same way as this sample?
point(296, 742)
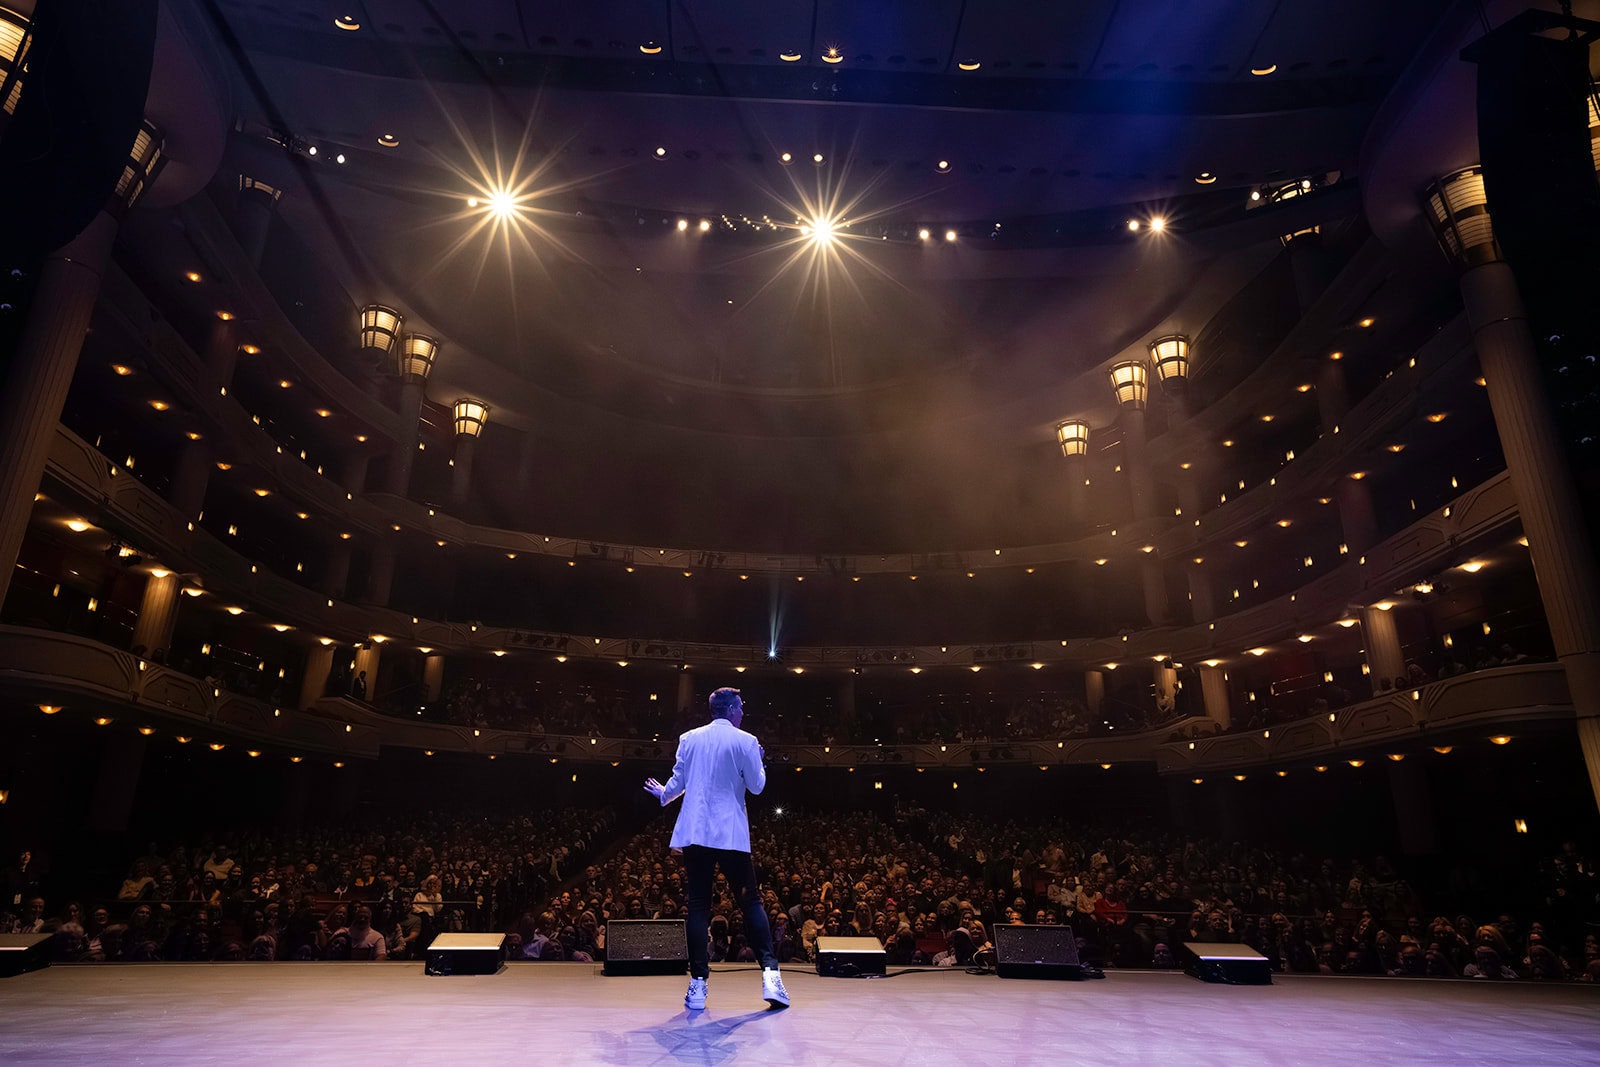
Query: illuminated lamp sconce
point(1073, 436)
point(470, 417)
point(1457, 208)
point(380, 328)
point(1170, 357)
point(1131, 383)
point(1358, 763)
point(415, 357)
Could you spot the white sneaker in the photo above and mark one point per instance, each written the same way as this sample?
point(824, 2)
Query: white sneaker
point(772, 988)
point(695, 998)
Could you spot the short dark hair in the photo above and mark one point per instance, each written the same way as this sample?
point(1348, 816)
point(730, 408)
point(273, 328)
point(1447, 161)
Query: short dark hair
point(722, 701)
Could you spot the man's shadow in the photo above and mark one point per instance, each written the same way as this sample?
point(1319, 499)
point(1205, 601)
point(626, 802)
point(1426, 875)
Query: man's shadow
point(688, 1037)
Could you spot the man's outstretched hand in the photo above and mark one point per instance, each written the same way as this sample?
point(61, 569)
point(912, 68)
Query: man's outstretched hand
point(654, 788)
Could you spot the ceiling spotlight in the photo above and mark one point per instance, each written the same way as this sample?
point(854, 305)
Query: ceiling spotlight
point(121, 370)
point(339, 158)
point(347, 22)
point(1158, 224)
point(193, 276)
point(787, 157)
point(160, 405)
point(650, 48)
point(311, 150)
point(705, 225)
point(949, 235)
point(284, 383)
point(923, 234)
point(661, 152)
point(502, 204)
point(943, 166)
point(832, 55)
point(789, 57)
point(968, 64)
point(1366, 323)
point(820, 230)
point(388, 140)
point(816, 157)
point(1205, 177)
point(683, 224)
point(1262, 72)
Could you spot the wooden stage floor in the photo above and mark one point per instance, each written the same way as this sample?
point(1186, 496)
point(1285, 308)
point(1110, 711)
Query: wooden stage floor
point(552, 1013)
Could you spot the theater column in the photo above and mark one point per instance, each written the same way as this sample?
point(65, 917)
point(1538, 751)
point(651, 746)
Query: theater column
point(433, 676)
point(190, 478)
point(1094, 690)
point(222, 349)
point(1311, 265)
point(405, 446)
point(314, 679)
point(40, 373)
point(1214, 693)
point(685, 694)
point(1202, 597)
point(380, 572)
point(121, 763)
point(1386, 663)
point(1073, 437)
point(336, 569)
point(470, 417)
point(353, 472)
point(252, 216)
point(1547, 497)
point(158, 615)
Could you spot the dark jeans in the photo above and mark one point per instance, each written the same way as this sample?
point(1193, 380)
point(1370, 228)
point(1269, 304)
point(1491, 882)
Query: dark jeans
point(701, 863)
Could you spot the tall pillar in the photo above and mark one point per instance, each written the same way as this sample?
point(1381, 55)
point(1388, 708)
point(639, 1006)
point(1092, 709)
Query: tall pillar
point(433, 676)
point(1333, 395)
point(1385, 661)
point(336, 575)
point(353, 472)
point(380, 572)
point(158, 615)
point(252, 217)
point(1358, 519)
point(1094, 690)
point(1202, 595)
point(1413, 808)
point(314, 679)
point(222, 351)
point(1547, 497)
point(1135, 463)
point(1165, 679)
point(367, 659)
point(1077, 490)
point(40, 373)
point(685, 694)
point(1552, 517)
point(1214, 694)
point(1192, 496)
point(405, 446)
point(461, 473)
point(187, 491)
point(1153, 576)
point(121, 762)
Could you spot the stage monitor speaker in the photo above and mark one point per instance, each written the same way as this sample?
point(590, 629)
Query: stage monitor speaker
point(851, 957)
point(1215, 961)
point(464, 954)
point(1031, 951)
point(23, 952)
point(646, 946)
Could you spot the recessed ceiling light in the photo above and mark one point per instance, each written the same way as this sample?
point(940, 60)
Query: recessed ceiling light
point(1133, 225)
point(225, 316)
point(121, 370)
point(1336, 356)
point(193, 276)
point(832, 55)
point(1303, 387)
point(263, 492)
point(943, 166)
point(1158, 224)
point(923, 234)
point(388, 140)
point(1365, 323)
point(160, 405)
point(1268, 418)
point(347, 22)
point(661, 152)
point(323, 413)
point(949, 235)
point(817, 157)
point(1205, 177)
point(705, 225)
point(284, 383)
point(650, 48)
point(1262, 72)
point(1438, 416)
point(789, 57)
point(1227, 442)
point(361, 438)
point(683, 224)
point(250, 350)
point(1395, 447)
point(969, 64)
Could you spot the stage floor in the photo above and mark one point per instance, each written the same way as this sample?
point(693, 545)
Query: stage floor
point(553, 1013)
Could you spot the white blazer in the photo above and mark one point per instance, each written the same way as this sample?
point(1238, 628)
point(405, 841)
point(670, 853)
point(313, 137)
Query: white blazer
point(716, 764)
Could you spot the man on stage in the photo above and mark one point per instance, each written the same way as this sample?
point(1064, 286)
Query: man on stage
point(717, 763)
